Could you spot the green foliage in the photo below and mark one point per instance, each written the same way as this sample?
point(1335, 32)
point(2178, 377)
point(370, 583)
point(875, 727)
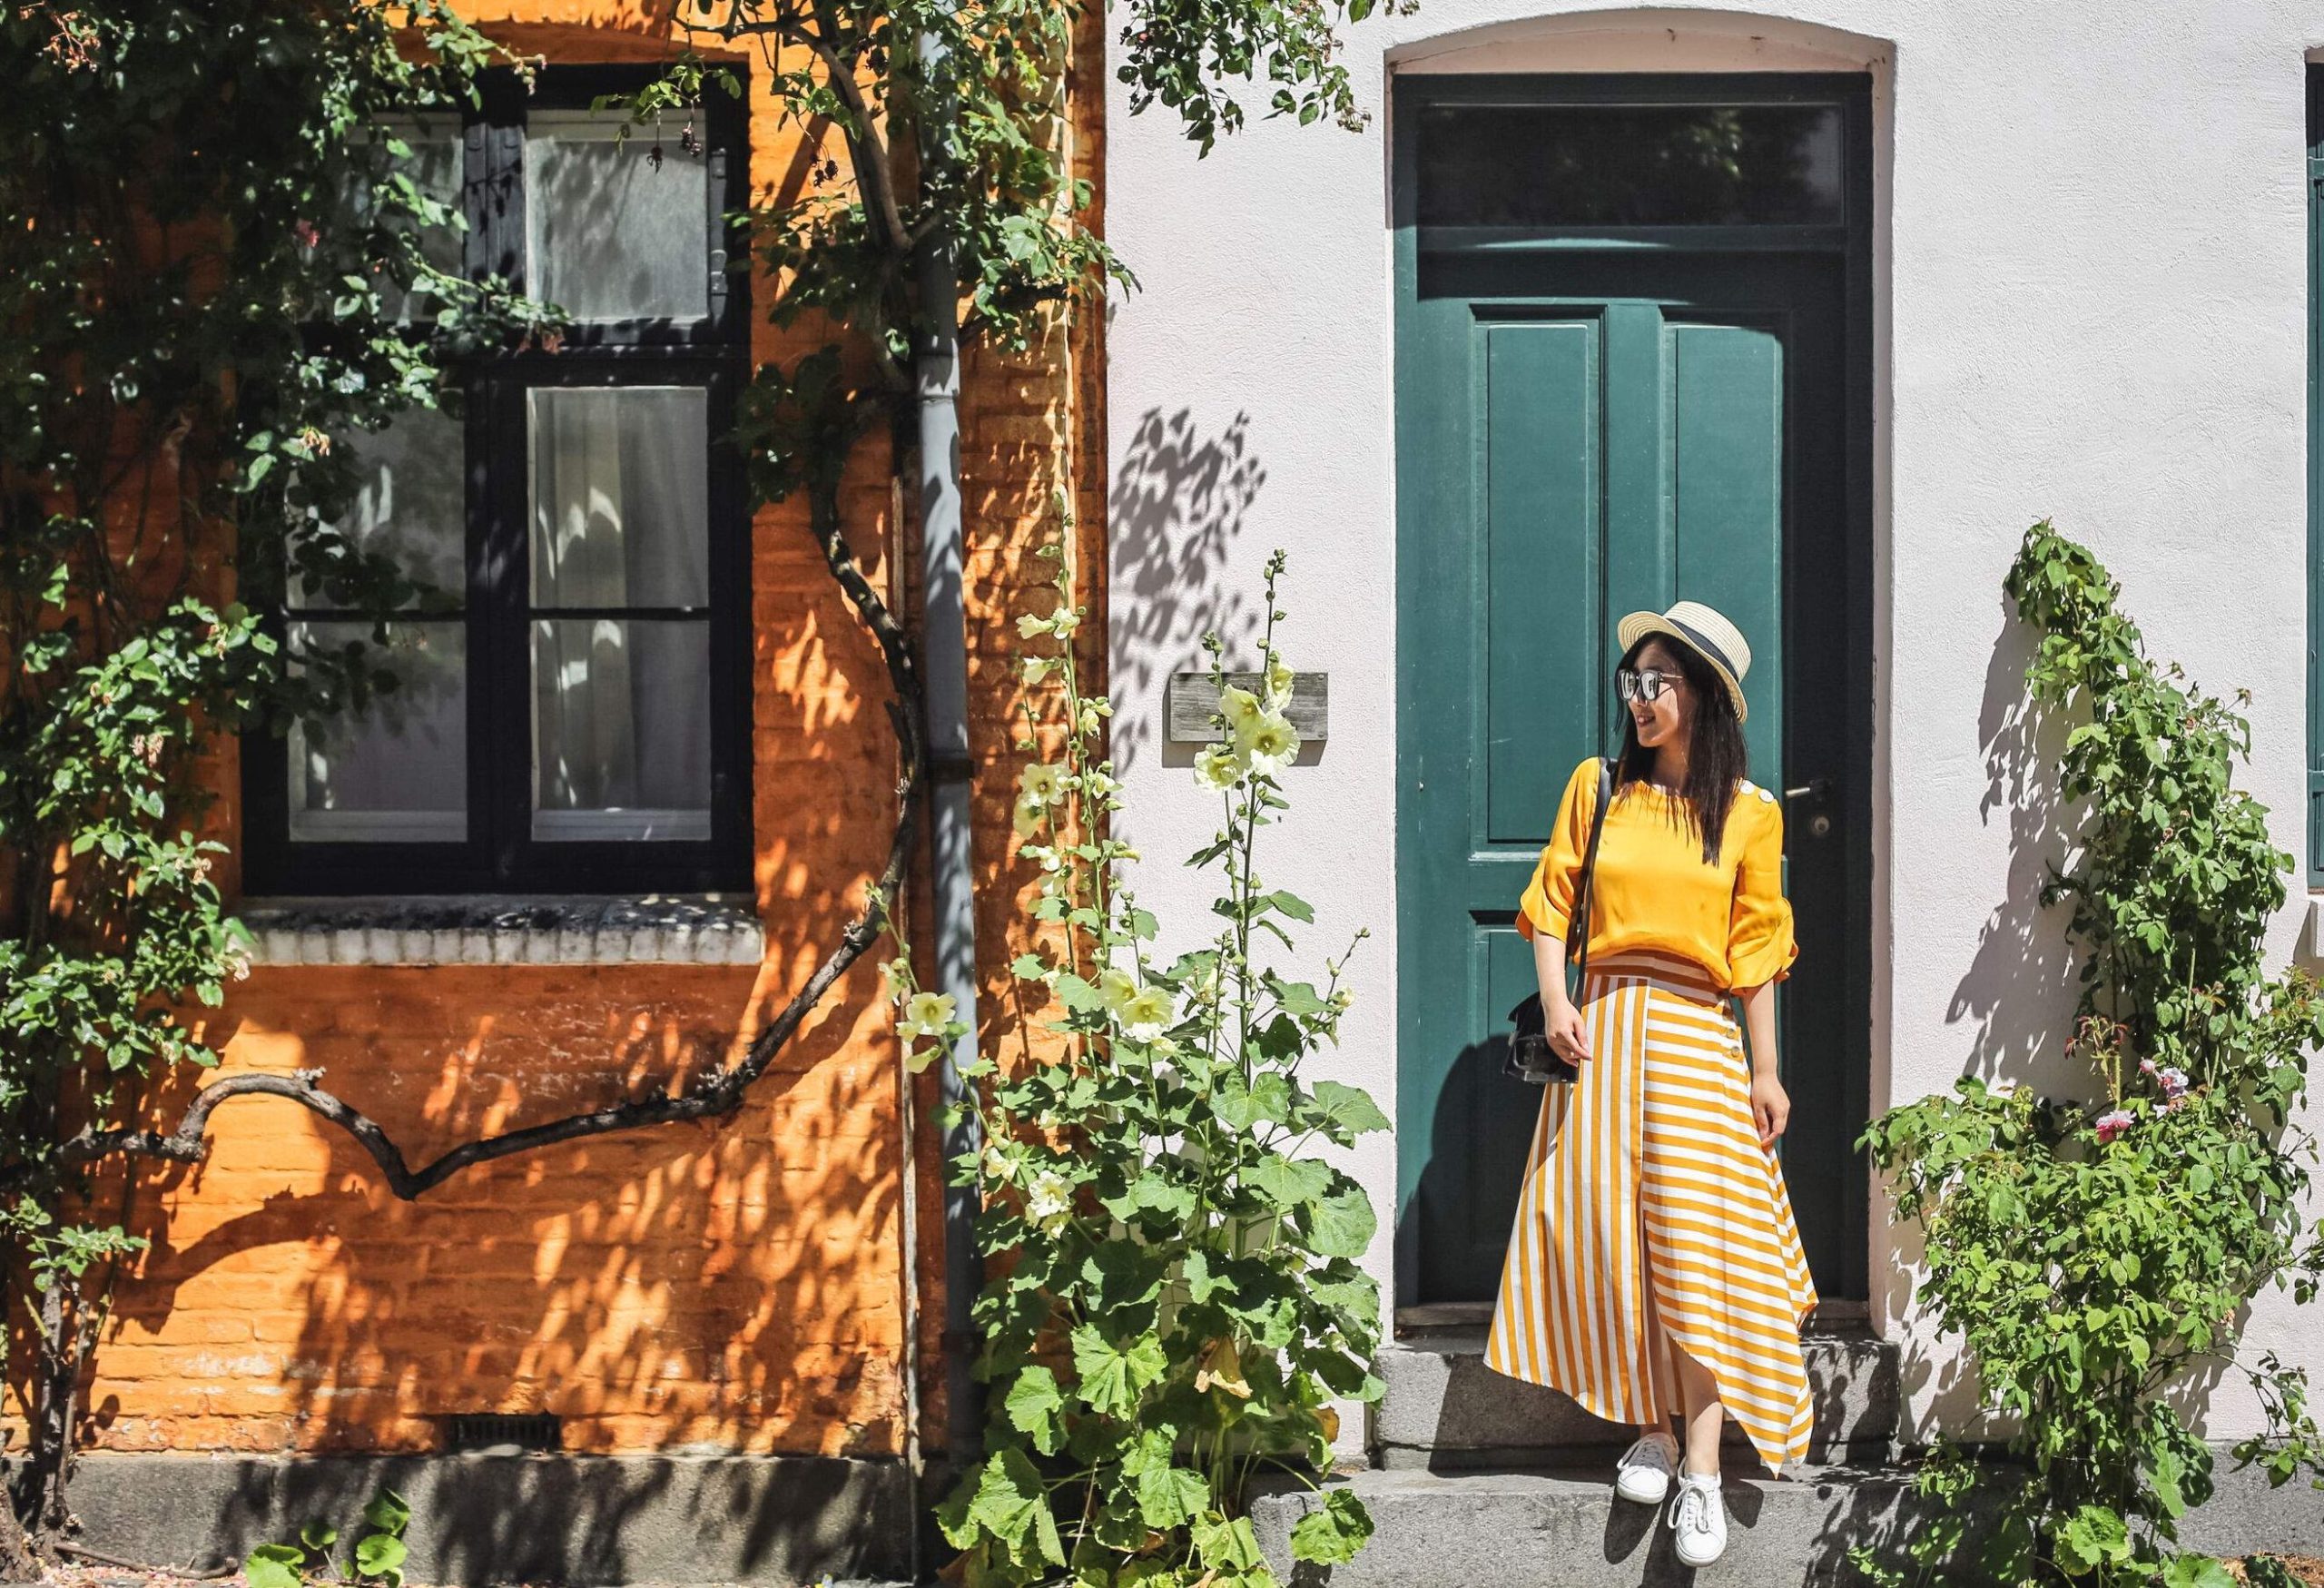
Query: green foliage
point(376, 1562)
point(205, 241)
point(2089, 1254)
point(216, 269)
point(1175, 1298)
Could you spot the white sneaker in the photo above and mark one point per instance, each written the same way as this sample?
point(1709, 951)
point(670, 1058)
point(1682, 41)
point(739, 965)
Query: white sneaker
point(1644, 1472)
point(1699, 1518)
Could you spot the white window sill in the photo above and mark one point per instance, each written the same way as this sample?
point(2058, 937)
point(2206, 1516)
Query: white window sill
point(500, 928)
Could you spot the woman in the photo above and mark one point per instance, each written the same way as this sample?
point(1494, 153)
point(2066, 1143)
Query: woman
point(1655, 1270)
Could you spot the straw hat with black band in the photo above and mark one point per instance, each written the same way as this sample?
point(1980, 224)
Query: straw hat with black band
point(1702, 631)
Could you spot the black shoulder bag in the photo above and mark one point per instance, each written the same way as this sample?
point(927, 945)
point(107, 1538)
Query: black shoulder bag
point(1530, 1056)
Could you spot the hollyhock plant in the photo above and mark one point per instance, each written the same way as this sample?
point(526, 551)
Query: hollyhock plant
point(1176, 1295)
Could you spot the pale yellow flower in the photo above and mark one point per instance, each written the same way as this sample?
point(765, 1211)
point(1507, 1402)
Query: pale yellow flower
point(1048, 1200)
point(1217, 768)
point(1147, 1014)
point(1031, 626)
point(1278, 683)
point(926, 1015)
point(1028, 817)
point(1037, 669)
point(1117, 988)
point(1269, 745)
point(1041, 783)
point(1239, 706)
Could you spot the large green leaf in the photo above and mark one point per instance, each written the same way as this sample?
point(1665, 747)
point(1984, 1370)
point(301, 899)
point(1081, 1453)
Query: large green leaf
point(1227, 1546)
point(1168, 1496)
point(380, 1554)
point(1033, 1403)
point(1121, 1274)
point(1340, 1225)
point(1110, 1379)
point(1286, 1182)
point(1013, 1505)
point(274, 1566)
point(388, 1512)
point(1335, 1531)
point(1348, 1111)
point(1265, 1100)
point(1202, 1283)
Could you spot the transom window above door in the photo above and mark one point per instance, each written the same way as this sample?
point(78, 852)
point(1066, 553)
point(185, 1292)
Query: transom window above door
point(1618, 165)
point(573, 699)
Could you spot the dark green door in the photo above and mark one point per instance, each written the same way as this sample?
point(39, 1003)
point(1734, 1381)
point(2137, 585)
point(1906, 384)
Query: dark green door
point(1588, 426)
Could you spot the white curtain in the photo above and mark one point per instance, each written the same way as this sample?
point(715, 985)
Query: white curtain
point(620, 516)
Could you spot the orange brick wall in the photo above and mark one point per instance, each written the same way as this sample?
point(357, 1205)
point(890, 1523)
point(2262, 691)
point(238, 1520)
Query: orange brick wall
point(741, 1286)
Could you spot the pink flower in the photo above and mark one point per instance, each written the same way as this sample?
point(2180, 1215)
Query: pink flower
point(2174, 1084)
point(2111, 1124)
point(2146, 1067)
point(308, 233)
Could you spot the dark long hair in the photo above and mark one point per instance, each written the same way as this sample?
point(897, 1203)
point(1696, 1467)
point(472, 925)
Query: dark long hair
point(1716, 758)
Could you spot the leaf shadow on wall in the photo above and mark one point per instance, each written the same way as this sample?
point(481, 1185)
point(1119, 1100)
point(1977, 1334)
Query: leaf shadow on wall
point(718, 1288)
point(2019, 991)
point(1179, 501)
point(2014, 1001)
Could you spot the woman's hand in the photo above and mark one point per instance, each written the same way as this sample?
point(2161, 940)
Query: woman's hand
point(1563, 1024)
point(1770, 1106)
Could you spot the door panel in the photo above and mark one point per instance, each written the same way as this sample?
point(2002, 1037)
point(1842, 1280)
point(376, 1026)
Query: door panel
point(1540, 425)
point(1580, 437)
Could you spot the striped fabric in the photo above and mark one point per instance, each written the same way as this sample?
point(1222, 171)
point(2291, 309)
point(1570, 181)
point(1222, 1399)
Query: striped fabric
point(1650, 1209)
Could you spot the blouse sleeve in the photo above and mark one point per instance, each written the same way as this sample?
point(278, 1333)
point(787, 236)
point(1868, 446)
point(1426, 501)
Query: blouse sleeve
point(1547, 903)
point(1759, 945)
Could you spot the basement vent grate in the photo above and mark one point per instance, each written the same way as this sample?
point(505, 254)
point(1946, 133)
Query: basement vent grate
point(502, 1431)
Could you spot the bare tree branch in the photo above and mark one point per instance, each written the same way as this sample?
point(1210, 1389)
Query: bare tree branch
point(714, 1096)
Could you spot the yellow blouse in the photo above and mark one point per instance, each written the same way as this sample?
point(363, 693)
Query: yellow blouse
point(1652, 889)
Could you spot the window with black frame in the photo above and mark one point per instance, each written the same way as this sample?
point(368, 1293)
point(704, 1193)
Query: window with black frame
point(573, 709)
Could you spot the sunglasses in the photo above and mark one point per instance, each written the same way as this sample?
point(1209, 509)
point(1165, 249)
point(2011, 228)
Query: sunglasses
point(1635, 684)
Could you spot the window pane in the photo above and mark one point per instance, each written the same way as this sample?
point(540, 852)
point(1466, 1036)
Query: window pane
point(400, 773)
point(608, 235)
point(435, 168)
point(1628, 165)
point(409, 505)
point(620, 496)
point(621, 728)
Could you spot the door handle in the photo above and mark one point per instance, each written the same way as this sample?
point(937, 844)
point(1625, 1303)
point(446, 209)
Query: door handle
point(1818, 789)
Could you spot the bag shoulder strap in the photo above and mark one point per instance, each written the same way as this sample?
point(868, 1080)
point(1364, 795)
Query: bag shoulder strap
point(1577, 934)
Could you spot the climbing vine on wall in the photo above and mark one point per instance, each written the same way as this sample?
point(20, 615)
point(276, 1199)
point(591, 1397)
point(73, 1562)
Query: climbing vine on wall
point(2093, 1251)
point(205, 239)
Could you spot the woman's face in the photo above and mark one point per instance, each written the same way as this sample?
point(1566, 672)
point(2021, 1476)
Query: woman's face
point(1662, 720)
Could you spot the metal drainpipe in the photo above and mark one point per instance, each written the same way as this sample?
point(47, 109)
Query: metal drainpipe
point(944, 659)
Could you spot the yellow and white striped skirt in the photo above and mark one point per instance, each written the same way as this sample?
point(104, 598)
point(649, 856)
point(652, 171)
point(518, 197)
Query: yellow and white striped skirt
point(1652, 1216)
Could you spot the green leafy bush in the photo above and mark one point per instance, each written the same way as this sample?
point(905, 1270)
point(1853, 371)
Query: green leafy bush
point(2091, 1253)
point(1175, 1299)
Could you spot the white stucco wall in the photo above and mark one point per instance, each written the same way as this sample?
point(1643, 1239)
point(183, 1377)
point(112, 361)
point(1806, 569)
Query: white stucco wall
point(2091, 299)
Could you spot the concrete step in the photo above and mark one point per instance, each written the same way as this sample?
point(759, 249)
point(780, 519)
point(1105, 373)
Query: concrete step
point(1445, 1409)
point(1557, 1528)
point(1564, 1528)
